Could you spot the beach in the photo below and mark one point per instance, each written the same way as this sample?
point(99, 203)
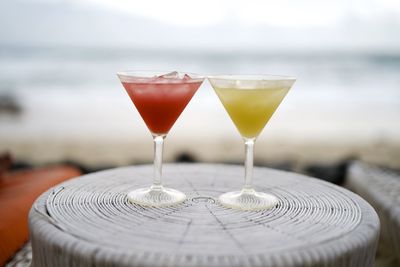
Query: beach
point(73, 108)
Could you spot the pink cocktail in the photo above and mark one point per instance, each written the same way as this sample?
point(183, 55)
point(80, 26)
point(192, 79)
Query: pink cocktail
point(161, 101)
point(160, 98)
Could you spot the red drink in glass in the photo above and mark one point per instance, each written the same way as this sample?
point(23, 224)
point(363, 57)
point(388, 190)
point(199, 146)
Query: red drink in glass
point(160, 98)
point(161, 102)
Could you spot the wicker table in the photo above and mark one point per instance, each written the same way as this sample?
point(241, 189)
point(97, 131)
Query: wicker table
point(89, 222)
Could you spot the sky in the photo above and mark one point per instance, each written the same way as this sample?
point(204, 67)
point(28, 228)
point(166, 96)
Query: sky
point(206, 24)
point(284, 13)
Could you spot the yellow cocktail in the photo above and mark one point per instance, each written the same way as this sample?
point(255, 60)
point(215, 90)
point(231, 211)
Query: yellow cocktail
point(250, 101)
point(251, 109)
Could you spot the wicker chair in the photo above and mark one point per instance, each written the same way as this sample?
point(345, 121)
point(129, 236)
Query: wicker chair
point(381, 188)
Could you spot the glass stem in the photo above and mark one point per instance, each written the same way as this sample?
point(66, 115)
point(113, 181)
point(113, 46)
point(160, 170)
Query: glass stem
point(158, 157)
point(248, 165)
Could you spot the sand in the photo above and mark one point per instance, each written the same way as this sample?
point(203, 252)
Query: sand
point(227, 150)
point(103, 128)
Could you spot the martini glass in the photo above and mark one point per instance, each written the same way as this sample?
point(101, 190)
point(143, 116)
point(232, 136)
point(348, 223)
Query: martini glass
point(160, 98)
point(250, 101)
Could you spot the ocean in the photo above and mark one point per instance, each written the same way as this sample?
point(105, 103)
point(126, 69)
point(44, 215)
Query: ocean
point(72, 105)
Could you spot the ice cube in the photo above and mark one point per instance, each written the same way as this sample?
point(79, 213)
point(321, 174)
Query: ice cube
point(153, 79)
point(186, 77)
point(238, 84)
point(171, 75)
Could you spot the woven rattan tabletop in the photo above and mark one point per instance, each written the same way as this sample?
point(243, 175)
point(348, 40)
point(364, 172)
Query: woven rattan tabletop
point(88, 221)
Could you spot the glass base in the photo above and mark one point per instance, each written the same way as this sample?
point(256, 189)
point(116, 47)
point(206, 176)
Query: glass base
point(156, 196)
point(248, 199)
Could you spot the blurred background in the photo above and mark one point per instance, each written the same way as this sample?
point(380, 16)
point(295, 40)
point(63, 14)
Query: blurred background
point(60, 99)
point(63, 111)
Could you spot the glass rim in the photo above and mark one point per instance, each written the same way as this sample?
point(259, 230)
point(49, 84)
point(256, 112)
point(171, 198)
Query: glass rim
point(144, 75)
point(251, 77)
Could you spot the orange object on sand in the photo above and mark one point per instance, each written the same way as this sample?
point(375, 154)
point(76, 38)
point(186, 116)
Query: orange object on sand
point(18, 191)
